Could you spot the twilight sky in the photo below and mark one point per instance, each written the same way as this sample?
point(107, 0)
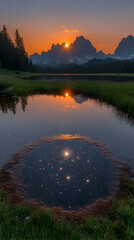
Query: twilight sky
point(43, 22)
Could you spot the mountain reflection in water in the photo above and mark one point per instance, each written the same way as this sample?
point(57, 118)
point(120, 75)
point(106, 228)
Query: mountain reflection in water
point(9, 102)
point(26, 119)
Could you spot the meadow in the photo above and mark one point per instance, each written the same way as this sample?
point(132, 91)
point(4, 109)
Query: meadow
point(25, 221)
point(117, 94)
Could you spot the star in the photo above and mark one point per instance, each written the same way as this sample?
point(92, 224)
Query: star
point(66, 153)
point(68, 177)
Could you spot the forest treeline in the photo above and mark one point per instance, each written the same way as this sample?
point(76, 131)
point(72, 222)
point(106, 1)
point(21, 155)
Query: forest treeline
point(13, 55)
point(102, 66)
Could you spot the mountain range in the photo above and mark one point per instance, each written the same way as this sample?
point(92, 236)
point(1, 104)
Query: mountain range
point(80, 52)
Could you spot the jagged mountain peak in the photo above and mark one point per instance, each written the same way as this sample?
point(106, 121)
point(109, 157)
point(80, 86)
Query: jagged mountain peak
point(130, 37)
point(125, 49)
point(81, 51)
point(81, 41)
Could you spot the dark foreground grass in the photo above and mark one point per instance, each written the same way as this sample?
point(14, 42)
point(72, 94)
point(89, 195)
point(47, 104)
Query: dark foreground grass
point(120, 95)
point(23, 222)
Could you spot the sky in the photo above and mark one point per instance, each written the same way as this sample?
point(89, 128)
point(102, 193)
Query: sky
point(42, 22)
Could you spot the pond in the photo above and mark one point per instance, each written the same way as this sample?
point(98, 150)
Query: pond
point(71, 171)
point(84, 77)
point(65, 171)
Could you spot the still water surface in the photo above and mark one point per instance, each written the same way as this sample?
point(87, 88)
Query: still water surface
point(65, 173)
point(24, 120)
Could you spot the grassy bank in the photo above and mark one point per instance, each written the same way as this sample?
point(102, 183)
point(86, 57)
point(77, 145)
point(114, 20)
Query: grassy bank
point(29, 222)
point(25, 222)
point(120, 95)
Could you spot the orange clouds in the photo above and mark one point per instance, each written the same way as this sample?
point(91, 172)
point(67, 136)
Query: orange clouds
point(73, 30)
point(69, 106)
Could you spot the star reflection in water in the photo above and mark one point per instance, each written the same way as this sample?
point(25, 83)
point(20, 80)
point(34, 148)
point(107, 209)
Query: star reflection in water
point(67, 173)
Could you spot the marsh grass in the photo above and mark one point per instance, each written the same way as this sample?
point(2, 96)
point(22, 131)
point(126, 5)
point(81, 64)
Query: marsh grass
point(28, 221)
point(25, 222)
point(118, 94)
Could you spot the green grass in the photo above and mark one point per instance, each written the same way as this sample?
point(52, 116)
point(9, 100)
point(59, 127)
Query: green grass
point(118, 94)
point(117, 224)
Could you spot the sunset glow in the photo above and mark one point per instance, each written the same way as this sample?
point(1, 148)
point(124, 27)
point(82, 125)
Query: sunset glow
point(66, 45)
point(67, 113)
point(67, 94)
point(46, 22)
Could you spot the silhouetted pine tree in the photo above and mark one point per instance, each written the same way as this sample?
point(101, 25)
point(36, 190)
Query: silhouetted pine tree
point(13, 56)
point(7, 50)
point(21, 54)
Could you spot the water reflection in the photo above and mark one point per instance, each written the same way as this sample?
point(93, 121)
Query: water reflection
point(79, 77)
point(48, 115)
point(66, 173)
point(9, 103)
point(80, 99)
